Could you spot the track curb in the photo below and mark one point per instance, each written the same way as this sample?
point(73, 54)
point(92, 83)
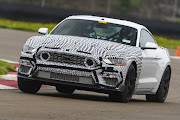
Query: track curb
point(9, 81)
point(175, 57)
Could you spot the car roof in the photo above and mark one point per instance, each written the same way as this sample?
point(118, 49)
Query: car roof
point(109, 20)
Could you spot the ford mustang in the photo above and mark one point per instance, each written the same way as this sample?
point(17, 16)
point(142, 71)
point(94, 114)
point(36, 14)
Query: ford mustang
point(111, 56)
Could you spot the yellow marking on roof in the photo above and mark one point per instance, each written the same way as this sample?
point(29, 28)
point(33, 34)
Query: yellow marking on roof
point(102, 22)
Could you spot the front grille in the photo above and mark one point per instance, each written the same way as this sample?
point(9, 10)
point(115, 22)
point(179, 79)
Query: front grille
point(67, 59)
point(111, 81)
point(65, 77)
point(24, 69)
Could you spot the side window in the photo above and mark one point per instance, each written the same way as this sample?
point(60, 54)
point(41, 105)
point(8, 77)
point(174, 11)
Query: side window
point(145, 37)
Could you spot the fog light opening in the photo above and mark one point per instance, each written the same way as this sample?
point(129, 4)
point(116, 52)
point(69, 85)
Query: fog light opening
point(45, 56)
point(89, 62)
point(26, 63)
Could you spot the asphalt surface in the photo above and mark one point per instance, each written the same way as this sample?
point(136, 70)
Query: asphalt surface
point(11, 43)
point(48, 104)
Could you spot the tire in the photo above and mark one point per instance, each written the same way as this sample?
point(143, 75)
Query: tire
point(126, 95)
point(65, 89)
point(163, 89)
point(29, 86)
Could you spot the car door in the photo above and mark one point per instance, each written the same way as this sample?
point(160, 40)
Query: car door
point(150, 63)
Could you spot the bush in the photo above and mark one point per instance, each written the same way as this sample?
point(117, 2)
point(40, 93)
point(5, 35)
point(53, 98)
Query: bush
point(6, 67)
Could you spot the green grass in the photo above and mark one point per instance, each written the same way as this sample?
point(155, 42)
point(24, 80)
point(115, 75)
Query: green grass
point(34, 26)
point(27, 26)
point(6, 67)
point(167, 43)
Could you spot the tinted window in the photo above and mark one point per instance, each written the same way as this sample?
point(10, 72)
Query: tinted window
point(98, 30)
point(145, 37)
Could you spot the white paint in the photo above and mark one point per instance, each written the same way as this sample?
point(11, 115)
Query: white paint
point(2, 87)
point(9, 77)
point(175, 57)
point(9, 61)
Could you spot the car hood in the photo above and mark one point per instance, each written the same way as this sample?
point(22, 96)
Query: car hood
point(95, 47)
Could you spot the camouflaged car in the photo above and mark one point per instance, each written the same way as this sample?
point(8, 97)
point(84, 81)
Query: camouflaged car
point(99, 54)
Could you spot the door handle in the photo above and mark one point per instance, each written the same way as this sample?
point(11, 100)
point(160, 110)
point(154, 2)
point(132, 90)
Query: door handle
point(157, 58)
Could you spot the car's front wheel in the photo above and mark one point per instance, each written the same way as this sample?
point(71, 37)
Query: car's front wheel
point(126, 95)
point(163, 89)
point(29, 86)
point(65, 89)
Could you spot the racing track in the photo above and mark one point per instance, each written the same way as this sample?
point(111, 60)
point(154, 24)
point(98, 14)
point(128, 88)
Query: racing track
point(48, 104)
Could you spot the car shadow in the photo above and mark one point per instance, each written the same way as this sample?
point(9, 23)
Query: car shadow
point(88, 97)
point(79, 96)
point(83, 96)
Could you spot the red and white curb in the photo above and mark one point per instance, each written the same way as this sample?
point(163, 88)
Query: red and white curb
point(9, 81)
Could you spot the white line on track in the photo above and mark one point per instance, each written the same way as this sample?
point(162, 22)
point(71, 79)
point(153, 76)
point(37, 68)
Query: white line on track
point(9, 61)
point(9, 77)
point(6, 87)
point(174, 57)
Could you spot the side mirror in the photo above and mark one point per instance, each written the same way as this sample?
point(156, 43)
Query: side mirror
point(43, 31)
point(150, 45)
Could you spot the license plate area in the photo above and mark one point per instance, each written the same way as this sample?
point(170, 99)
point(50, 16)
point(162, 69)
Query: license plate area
point(65, 77)
point(85, 80)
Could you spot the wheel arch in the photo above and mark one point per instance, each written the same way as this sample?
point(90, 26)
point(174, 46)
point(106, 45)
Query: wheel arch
point(135, 66)
point(169, 67)
point(160, 77)
point(125, 71)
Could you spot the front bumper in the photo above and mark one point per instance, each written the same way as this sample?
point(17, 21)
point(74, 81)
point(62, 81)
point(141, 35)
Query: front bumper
point(99, 79)
point(95, 87)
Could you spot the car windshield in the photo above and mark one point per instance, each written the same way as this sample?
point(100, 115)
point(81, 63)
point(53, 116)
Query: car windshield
point(97, 30)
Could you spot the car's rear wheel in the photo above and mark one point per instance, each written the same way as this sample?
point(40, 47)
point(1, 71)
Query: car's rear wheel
point(126, 95)
point(65, 89)
point(163, 89)
point(29, 86)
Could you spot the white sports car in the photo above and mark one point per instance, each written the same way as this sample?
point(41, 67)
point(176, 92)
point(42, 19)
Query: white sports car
point(106, 55)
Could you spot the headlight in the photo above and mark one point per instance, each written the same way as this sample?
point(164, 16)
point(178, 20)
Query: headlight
point(28, 49)
point(115, 61)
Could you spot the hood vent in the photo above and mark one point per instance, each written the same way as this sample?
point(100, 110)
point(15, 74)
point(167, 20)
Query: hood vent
point(83, 52)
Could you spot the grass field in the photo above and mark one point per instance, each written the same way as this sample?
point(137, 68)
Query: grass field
point(27, 26)
point(33, 27)
point(6, 67)
point(167, 43)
